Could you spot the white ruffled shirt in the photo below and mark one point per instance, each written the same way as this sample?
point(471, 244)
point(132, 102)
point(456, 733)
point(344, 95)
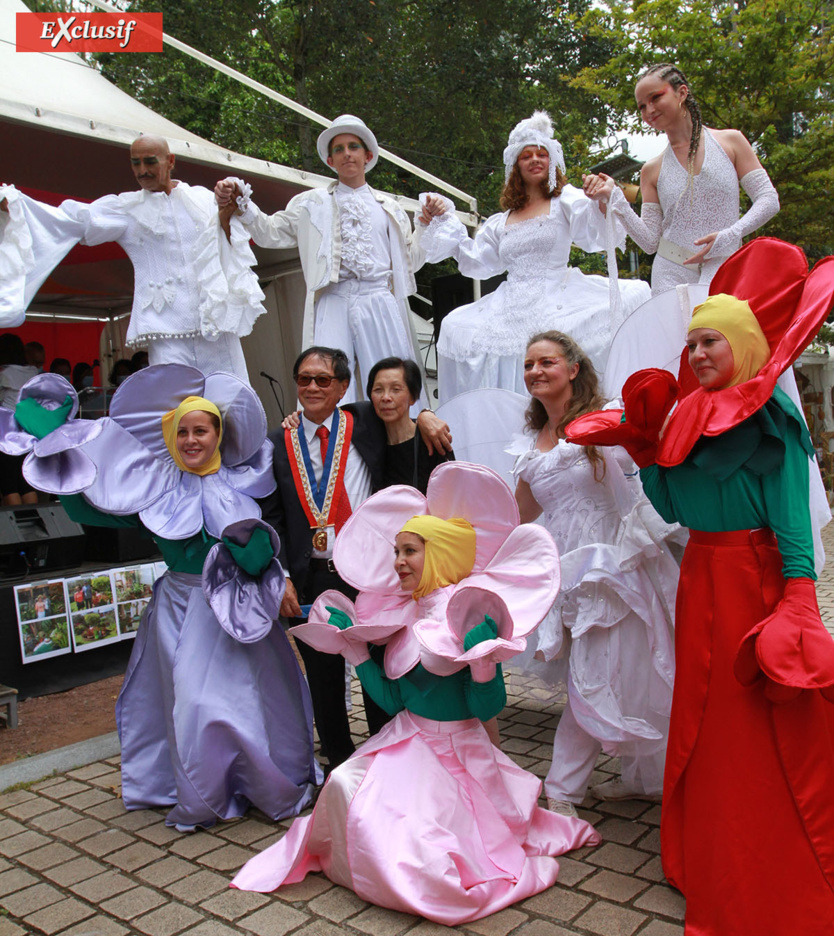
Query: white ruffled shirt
point(189, 280)
point(366, 247)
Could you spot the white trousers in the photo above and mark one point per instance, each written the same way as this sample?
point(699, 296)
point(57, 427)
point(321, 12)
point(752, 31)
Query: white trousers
point(363, 319)
point(224, 355)
point(575, 754)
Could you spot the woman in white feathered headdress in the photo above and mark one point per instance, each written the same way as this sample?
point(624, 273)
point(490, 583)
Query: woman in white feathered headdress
point(527, 140)
point(482, 345)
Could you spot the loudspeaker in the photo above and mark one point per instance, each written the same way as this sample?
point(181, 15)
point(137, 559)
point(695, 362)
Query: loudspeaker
point(119, 545)
point(37, 538)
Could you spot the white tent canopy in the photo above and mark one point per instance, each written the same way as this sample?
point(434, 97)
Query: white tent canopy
point(66, 130)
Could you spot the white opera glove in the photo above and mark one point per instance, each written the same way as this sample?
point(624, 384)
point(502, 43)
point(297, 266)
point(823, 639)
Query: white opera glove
point(765, 205)
point(644, 229)
point(448, 204)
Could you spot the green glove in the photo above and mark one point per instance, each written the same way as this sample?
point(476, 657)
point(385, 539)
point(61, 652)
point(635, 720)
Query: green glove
point(38, 421)
point(256, 555)
point(486, 630)
point(338, 618)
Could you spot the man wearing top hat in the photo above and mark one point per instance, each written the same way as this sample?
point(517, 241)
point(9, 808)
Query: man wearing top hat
point(358, 251)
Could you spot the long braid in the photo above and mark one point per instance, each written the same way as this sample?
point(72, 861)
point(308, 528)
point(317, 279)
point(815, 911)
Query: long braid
point(676, 78)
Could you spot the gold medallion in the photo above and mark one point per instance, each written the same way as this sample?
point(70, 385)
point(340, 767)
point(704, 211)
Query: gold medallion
point(320, 540)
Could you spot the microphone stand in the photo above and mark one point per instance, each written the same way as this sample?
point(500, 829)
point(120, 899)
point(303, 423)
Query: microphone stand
point(272, 382)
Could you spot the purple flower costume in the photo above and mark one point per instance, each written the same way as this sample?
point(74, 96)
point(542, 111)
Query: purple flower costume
point(214, 713)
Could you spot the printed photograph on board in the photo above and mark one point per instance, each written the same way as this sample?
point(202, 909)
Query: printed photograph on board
point(134, 587)
point(89, 592)
point(134, 582)
point(130, 614)
point(42, 620)
point(94, 628)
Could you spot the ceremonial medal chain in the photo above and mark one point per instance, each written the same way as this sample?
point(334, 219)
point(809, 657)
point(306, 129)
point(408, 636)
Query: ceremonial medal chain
point(320, 516)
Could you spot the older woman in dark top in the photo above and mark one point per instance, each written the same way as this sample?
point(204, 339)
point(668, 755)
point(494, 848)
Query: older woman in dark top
point(393, 386)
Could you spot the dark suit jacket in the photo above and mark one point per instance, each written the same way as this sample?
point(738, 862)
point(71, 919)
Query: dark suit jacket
point(283, 509)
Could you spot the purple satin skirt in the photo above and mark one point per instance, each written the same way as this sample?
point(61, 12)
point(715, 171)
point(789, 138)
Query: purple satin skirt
point(208, 724)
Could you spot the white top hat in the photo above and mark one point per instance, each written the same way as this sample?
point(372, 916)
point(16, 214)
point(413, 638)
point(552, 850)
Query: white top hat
point(347, 123)
point(534, 131)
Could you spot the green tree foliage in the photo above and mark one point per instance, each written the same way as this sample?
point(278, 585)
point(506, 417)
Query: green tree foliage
point(765, 67)
point(441, 82)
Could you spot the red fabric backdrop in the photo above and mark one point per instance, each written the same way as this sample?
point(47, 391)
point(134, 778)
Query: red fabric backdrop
point(75, 341)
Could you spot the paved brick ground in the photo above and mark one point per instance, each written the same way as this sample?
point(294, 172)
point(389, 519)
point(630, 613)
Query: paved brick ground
point(74, 863)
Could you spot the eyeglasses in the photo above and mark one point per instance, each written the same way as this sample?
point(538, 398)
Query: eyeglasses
point(322, 380)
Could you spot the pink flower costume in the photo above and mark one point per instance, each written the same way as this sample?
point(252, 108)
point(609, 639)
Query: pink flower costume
point(427, 817)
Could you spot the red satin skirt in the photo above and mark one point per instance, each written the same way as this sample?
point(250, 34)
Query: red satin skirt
point(747, 829)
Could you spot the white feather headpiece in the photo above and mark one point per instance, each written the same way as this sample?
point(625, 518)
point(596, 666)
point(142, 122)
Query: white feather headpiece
point(534, 131)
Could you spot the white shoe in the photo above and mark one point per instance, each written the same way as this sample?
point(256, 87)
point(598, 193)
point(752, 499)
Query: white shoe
point(562, 807)
point(615, 789)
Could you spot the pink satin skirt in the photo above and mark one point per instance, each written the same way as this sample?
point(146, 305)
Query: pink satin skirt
point(427, 818)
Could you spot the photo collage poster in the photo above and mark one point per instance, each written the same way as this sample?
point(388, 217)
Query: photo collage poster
point(71, 615)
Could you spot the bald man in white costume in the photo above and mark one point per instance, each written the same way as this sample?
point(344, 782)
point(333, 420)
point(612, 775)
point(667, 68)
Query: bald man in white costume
point(195, 293)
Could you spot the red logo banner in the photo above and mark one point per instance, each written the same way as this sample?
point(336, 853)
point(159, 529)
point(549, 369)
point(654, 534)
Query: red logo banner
point(89, 32)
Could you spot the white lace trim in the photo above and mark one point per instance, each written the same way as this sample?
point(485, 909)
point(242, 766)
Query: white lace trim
point(139, 341)
point(765, 205)
point(439, 237)
point(230, 299)
point(644, 229)
point(233, 301)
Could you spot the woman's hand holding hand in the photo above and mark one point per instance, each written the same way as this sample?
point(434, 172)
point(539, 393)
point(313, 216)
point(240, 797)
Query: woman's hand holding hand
point(433, 208)
point(225, 192)
point(705, 243)
point(598, 188)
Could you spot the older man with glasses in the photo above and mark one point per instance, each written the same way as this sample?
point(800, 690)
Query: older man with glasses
point(324, 469)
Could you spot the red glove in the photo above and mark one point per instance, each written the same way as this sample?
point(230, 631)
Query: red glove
point(791, 647)
point(648, 397)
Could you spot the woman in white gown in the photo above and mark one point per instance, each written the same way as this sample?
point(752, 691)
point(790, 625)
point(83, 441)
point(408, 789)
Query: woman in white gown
point(481, 345)
point(691, 191)
point(609, 636)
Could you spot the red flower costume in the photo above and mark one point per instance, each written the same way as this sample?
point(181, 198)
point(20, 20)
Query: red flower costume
point(747, 830)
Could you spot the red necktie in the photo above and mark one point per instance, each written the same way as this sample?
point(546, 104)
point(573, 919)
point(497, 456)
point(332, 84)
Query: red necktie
point(323, 434)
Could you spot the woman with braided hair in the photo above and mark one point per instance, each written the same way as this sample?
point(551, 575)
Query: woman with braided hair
point(690, 214)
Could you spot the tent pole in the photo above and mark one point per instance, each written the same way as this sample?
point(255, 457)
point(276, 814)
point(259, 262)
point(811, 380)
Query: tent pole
point(298, 108)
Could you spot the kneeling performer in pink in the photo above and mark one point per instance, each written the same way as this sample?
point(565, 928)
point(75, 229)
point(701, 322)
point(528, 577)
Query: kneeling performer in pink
point(427, 817)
